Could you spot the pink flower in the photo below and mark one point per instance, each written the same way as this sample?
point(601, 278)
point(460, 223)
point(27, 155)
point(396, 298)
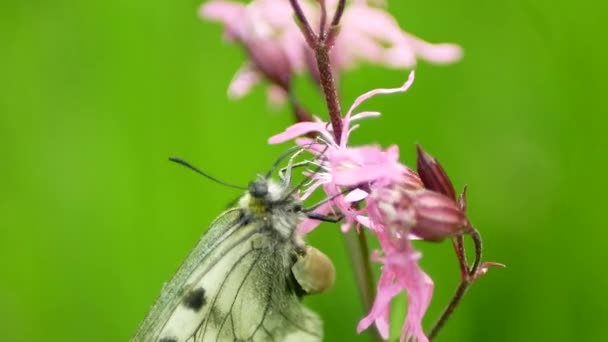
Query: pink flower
point(377, 179)
point(370, 34)
point(277, 50)
point(265, 29)
point(342, 166)
point(400, 271)
point(388, 198)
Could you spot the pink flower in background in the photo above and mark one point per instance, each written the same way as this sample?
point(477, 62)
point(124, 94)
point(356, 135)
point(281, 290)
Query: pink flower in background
point(267, 32)
point(370, 34)
point(277, 50)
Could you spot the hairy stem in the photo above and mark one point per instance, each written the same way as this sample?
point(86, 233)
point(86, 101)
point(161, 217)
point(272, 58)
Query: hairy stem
point(300, 114)
point(326, 79)
point(356, 244)
point(309, 34)
point(478, 251)
point(338, 14)
point(458, 243)
point(323, 20)
point(449, 310)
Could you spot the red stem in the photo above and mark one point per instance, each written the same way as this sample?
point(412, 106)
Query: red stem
point(326, 78)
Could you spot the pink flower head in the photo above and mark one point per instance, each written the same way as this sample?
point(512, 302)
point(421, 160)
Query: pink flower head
point(277, 50)
point(343, 166)
point(370, 34)
point(369, 187)
point(265, 29)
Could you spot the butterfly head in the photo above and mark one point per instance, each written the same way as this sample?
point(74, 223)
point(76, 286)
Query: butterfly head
point(265, 195)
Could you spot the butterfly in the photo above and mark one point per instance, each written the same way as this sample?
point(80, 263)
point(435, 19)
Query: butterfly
point(245, 278)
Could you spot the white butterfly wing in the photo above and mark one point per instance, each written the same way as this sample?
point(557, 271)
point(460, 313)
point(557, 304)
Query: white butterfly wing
point(235, 285)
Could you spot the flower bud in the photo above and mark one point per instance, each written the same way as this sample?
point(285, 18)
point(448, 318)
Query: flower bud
point(438, 217)
point(432, 174)
point(426, 214)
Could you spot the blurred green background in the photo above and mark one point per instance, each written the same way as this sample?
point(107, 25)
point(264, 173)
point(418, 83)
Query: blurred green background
point(95, 95)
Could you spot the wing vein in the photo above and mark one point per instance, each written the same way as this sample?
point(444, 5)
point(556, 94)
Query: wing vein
point(241, 258)
point(253, 264)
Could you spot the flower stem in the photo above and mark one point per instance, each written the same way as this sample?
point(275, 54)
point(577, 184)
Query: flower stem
point(449, 310)
point(307, 31)
point(300, 114)
point(478, 251)
point(338, 14)
point(467, 278)
point(356, 244)
point(323, 21)
point(358, 252)
point(329, 89)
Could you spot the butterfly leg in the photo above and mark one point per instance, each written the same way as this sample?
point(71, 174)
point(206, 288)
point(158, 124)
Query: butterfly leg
point(325, 218)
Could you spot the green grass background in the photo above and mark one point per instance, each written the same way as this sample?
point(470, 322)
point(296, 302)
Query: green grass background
point(95, 95)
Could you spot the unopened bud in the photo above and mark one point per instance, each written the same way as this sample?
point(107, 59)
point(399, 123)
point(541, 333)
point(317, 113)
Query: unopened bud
point(432, 174)
point(438, 217)
point(426, 214)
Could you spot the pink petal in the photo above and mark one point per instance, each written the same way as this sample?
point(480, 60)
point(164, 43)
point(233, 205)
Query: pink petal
point(276, 95)
point(352, 166)
point(225, 11)
point(380, 310)
point(400, 57)
point(356, 195)
point(243, 81)
point(436, 53)
point(309, 224)
point(375, 92)
point(364, 221)
point(296, 130)
point(363, 115)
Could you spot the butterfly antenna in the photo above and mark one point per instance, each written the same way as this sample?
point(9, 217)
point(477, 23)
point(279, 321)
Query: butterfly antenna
point(281, 158)
point(195, 169)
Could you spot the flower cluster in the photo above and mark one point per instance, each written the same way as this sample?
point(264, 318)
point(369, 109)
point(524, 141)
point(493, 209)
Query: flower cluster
point(276, 49)
point(366, 186)
point(394, 202)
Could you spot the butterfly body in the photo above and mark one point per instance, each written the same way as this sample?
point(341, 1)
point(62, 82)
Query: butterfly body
point(237, 284)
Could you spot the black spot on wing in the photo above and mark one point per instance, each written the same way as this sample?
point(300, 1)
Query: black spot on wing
point(168, 339)
point(195, 299)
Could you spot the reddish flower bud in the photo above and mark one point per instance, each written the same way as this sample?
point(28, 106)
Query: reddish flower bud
point(438, 217)
point(426, 214)
point(432, 174)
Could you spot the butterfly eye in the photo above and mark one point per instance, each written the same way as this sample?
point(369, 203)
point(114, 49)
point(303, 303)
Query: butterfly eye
point(297, 207)
point(258, 189)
